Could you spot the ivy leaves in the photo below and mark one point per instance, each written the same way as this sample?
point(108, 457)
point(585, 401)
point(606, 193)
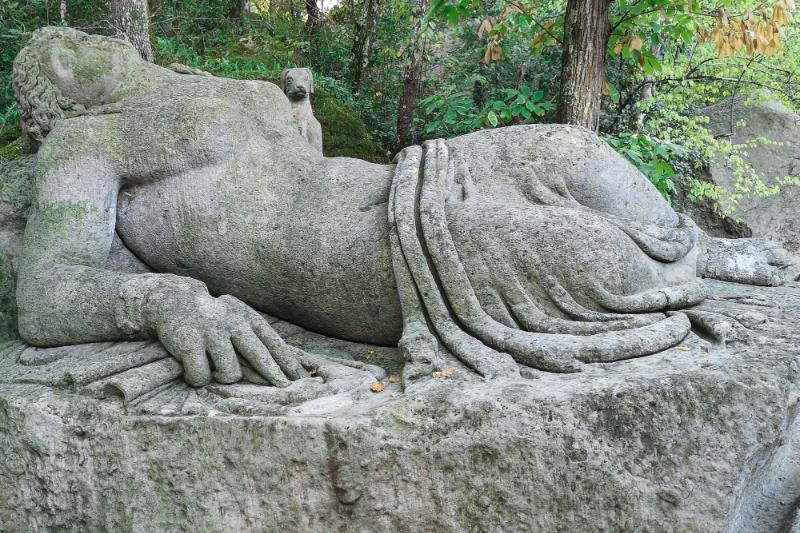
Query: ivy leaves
point(451, 112)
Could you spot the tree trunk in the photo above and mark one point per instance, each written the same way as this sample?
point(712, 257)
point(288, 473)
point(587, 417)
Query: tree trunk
point(63, 10)
point(648, 91)
point(411, 80)
point(312, 16)
point(129, 20)
point(236, 13)
point(362, 43)
point(583, 64)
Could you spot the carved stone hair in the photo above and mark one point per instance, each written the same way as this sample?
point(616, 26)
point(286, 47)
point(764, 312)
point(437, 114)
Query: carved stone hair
point(40, 101)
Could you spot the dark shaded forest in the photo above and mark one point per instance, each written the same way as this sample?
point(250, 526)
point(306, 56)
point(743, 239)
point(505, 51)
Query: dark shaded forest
point(389, 73)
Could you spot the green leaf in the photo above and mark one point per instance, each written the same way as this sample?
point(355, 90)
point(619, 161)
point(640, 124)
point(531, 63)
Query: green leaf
point(492, 118)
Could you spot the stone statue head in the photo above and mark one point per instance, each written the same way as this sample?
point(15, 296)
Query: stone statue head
point(297, 83)
point(63, 69)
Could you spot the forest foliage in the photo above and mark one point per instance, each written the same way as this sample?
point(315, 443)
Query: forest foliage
point(473, 64)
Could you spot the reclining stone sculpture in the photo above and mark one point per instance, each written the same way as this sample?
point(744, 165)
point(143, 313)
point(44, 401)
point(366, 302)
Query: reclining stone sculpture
point(532, 245)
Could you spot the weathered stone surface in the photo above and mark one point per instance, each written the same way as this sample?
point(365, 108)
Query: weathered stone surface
point(537, 245)
point(16, 197)
point(773, 217)
point(697, 438)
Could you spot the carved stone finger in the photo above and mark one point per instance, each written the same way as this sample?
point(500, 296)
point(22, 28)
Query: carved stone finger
point(226, 363)
point(286, 356)
point(187, 346)
point(258, 356)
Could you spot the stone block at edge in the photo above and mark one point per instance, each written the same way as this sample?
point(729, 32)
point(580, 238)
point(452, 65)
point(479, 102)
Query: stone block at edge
point(669, 442)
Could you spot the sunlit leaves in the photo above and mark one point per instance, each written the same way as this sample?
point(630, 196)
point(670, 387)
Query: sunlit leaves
point(651, 156)
point(754, 31)
point(450, 112)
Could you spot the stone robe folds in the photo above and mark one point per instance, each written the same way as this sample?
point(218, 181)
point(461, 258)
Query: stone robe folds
point(549, 286)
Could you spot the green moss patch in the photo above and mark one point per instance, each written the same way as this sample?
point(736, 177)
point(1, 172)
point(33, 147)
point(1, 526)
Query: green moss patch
point(12, 150)
point(343, 133)
point(8, 300)
point(17, 184)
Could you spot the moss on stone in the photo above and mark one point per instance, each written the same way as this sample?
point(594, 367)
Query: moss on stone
point(17, 189)
point(343, 134)
point(8, 300)
point(11, 151)
point(91, 65)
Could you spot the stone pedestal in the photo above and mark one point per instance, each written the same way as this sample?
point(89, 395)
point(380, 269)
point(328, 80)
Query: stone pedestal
point(698, 438)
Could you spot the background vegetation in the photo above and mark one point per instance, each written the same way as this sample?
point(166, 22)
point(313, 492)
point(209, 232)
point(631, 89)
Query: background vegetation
point(392, 72)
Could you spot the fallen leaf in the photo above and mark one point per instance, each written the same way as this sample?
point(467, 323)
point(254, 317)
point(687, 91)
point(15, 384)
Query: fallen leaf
point(684, 348)
point(394, 379)
point(444, 374)
point(371, 351)
point(377, 387)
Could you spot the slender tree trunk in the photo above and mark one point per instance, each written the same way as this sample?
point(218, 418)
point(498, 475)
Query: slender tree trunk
point(63, 10)
point(408, 101)
point(312, 16)
point(362, 43)
point(648, 91)
point(236, 13)
point(583, 64)
point(411, 80)
point(130, 22)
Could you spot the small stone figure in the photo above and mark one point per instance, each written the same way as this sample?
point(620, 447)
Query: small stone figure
point(298, 85)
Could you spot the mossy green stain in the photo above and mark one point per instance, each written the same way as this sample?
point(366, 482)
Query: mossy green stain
point(8, 300)
point(52, 229)
point(91, 66)
point(17, 185)
point(11, 151)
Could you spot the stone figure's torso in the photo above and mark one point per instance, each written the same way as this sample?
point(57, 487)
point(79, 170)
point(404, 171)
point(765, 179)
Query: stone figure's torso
point(271, 221)
point(246, 205)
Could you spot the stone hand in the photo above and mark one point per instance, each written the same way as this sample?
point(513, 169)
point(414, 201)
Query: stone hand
point(753, 261)
point(207, 335)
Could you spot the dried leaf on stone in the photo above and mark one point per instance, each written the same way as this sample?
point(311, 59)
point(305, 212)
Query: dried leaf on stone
point(377, 387)
point(394, 379)
point(444, 374)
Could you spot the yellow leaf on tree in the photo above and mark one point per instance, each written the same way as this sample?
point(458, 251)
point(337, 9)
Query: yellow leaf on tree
point(497, 52)
point(636, 43)
point(484, 27)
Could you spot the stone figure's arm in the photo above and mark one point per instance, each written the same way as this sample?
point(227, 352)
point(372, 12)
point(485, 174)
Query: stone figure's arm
point(67, 296)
